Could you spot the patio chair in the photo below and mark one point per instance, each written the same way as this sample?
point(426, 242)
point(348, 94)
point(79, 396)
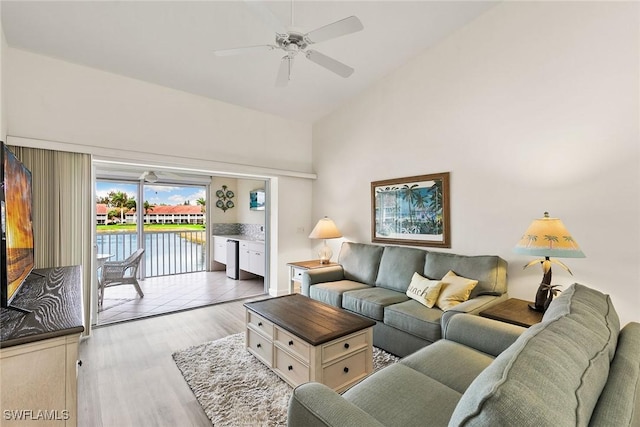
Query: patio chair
point(116, 273)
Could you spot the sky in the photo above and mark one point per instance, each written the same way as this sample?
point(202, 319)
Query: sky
point(154, 194)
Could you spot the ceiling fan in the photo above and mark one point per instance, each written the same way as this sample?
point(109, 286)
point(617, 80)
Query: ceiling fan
point(152, 177)
point(293, 41)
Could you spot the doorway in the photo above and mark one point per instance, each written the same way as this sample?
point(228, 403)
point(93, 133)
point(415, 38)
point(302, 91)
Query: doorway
point(174, 222)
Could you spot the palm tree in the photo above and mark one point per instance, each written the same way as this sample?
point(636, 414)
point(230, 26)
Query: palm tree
point(551, 239)
point(119, 200)
point(202, 203)
point(409, 195)
point(147, 207)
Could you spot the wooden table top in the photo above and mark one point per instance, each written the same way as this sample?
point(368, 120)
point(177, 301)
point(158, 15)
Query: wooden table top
point(515, 311)
point(309, 265)
point(311, 320)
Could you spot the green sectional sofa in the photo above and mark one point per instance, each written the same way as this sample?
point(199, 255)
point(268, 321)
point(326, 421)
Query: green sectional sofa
point(575, 368)
point(372, 281)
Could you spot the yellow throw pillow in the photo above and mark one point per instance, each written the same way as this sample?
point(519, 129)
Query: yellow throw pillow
point(423, 290)
point(455, 290)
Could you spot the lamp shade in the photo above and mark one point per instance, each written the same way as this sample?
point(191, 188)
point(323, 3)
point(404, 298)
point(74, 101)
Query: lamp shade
point(325, 229)
point(548, 237)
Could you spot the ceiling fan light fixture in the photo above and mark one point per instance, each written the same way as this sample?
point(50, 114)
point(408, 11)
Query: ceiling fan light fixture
point(151, 177)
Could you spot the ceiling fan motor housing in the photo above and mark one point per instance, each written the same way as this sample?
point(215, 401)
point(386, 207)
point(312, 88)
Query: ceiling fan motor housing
point(291, 42)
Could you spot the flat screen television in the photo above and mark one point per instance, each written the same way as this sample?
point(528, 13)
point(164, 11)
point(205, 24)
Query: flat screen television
point(17, 225)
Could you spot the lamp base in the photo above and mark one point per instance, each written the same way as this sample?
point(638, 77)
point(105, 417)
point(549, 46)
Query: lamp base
point(325, 254)
point(534, 308)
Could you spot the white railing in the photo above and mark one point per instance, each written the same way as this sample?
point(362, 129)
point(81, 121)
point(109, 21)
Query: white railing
point(166, 252)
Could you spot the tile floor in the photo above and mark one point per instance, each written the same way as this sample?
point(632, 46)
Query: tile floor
point(167, 294)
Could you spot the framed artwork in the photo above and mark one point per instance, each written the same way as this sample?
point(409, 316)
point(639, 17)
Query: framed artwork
point(411, 211)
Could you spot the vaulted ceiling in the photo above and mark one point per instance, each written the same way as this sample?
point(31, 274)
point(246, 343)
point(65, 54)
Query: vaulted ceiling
point(171, 43)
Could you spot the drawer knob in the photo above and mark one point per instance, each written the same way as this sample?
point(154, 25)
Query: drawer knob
point(259, 345)
point(290, 342)
point(346, 370)
point(259, 323)
point(346, 345)
point(290, 368)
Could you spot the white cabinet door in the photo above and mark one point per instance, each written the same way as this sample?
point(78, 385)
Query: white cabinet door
point(257, 263)
point(220, 250)
point(245, 263)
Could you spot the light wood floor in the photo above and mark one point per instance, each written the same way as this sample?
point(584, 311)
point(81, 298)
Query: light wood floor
point(128, 377)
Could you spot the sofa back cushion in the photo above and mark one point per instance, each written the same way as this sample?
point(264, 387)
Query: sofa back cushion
point(397, 267)
point(489, 270)
point(360, 262)
point(555, 371)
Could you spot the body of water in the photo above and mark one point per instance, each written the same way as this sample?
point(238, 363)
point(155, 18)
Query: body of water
point(165, 252)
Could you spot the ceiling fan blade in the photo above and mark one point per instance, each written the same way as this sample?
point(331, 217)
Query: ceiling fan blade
point(261, 10)
point(329, 63)
point(284, 72)
point(340, 28)
point(242, 50)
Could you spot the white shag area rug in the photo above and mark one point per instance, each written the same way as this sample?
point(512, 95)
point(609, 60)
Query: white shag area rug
point(235, 389)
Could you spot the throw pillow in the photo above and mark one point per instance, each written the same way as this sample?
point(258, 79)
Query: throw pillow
point(423, 290)
point(455, 290)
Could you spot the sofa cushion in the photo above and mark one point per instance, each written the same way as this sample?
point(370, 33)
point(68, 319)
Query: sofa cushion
point(453, 364)
point(423, 290)
point(455, 290)
point(612, 410)
point(371, 302)
point(555, 371)
point(427, 401)
point(490, 271)
point(398, 265)
point(331, 292)
point(360, 261)
point(414, 318)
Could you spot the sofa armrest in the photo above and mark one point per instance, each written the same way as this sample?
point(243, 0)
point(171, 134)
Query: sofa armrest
point(314, 404)
point(473, 306)
point(486, 335)
point(320, 275)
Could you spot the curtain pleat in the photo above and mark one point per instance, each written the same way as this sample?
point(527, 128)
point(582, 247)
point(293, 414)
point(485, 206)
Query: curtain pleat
point(62, 210)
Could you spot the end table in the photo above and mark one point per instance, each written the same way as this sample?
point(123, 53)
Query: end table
point(514, 311)
point(296, 269)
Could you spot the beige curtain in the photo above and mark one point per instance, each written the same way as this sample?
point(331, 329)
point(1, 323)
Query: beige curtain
point(62, 211)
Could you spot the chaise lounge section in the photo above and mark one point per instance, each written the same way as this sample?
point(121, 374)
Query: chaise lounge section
point(575, 368)
point(372, 281)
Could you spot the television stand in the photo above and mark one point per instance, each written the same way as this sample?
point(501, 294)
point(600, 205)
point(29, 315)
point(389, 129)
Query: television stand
point(39, 350)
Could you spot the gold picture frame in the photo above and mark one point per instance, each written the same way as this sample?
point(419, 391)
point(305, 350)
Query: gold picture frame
point(411, 211)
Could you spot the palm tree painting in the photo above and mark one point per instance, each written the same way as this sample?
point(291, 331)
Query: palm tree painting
point(412, 211)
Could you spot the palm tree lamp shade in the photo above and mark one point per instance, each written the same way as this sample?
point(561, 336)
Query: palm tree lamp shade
point(325, 229)
point(547, 237)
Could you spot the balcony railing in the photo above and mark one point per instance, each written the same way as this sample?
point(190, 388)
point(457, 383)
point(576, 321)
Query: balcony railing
point(166, 252)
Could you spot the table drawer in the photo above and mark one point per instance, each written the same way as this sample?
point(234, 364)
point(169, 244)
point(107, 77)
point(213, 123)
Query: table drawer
point(345, 371)
point(290, 368)
point(259, 323)
point(344, 346)
point(293, 344)
point(261, 347)
point(297, 274)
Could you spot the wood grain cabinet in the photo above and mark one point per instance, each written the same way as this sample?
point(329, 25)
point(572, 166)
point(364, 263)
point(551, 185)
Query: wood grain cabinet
point(39, 350)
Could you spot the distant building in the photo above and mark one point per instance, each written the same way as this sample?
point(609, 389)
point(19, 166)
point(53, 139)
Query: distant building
point(180, 214)
point(101, 213)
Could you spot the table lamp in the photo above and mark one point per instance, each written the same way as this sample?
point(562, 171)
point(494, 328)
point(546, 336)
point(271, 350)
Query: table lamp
point(547, 237)
point(325, 229)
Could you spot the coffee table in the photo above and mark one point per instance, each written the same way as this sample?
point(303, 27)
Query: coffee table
point(304, 340)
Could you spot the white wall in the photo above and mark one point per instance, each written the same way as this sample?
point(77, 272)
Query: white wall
point(531, 107)
point(246, 215)
point(53, 100)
